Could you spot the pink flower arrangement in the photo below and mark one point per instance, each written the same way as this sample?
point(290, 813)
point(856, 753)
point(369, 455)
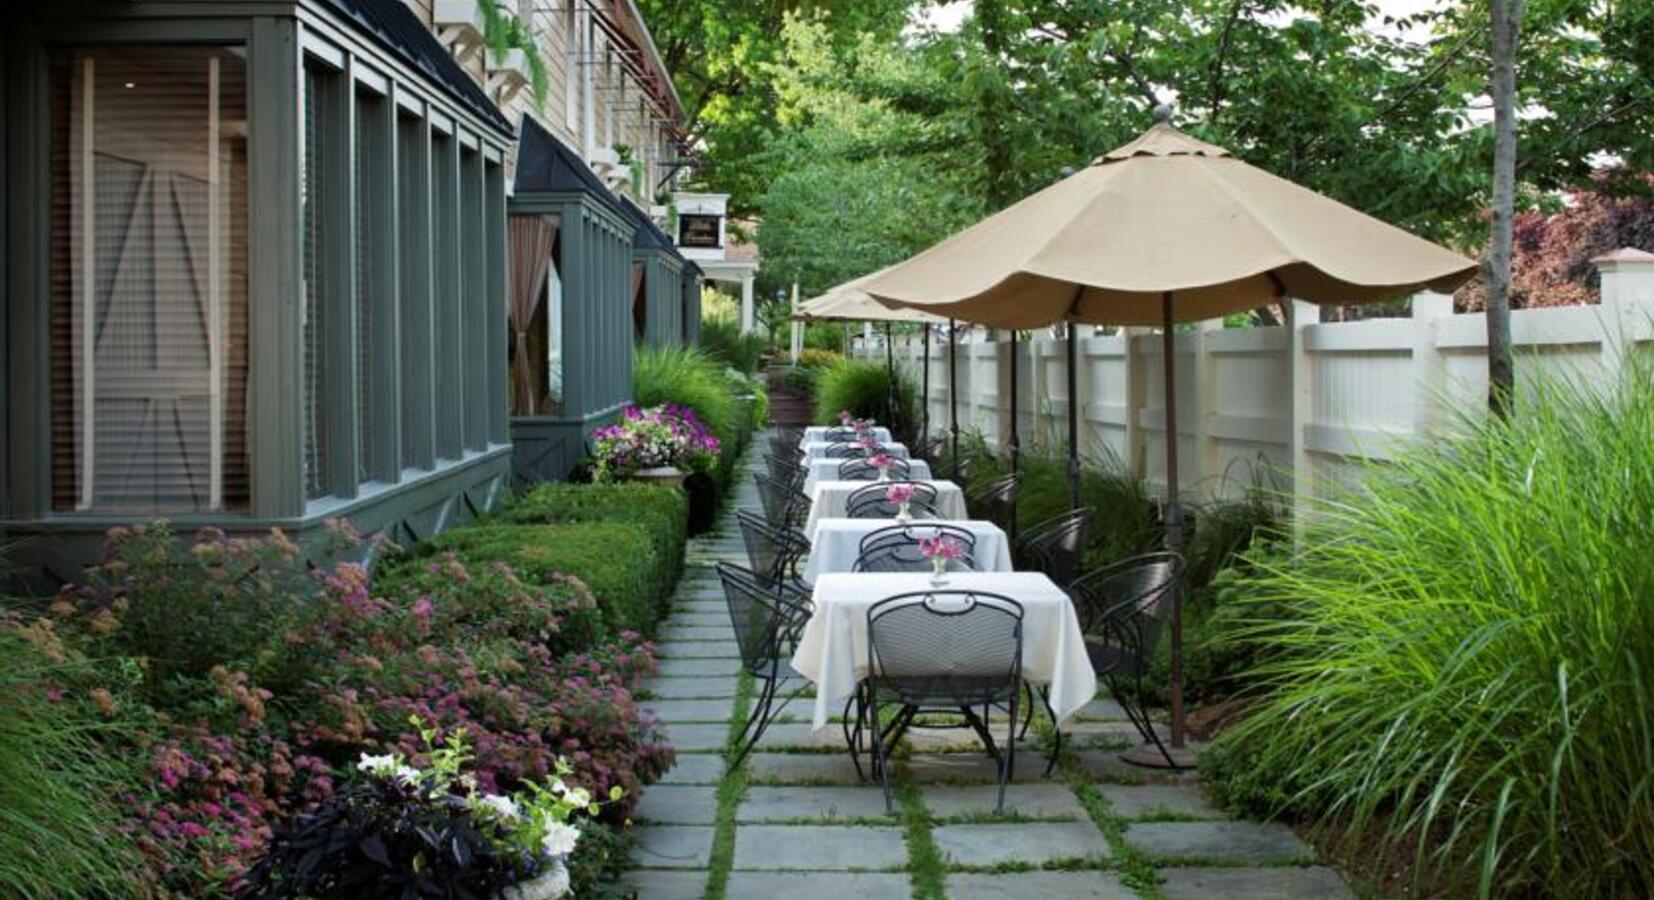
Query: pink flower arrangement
point(867, 443)
point(882, 462)
point(845, 419)
point(941, 547)
point(900, 493)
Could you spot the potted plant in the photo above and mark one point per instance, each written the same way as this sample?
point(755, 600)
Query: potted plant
point(659, 445)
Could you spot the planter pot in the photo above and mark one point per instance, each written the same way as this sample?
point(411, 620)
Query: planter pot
point(667, 476)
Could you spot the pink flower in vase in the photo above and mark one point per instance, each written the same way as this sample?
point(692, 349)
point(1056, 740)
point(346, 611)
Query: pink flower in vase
point(900, 494)
point(941, 550)
point(845, 419)
point(882, 462)
point(867, 443)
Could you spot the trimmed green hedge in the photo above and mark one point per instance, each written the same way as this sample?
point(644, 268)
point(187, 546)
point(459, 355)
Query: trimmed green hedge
point(663, 512)
point(623, 564)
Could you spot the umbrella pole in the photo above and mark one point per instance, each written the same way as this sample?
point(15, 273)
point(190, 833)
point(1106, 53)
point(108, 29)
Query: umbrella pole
point(890, 376)
point(924, 391)
point(1173, 512)
point(953, 388)
point(1073, 420)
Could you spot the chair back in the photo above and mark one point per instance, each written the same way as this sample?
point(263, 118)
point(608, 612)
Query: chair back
point(996, 501)
point(774, 552)
point(1129, 602)
point(845, 450)
point(871, 502)
point(774, 495)
point(862, 470)
point(896, 548)
point(840, 435)
point(762, 620)
point(1056, 546)
point(783, 468)
point(945, 648)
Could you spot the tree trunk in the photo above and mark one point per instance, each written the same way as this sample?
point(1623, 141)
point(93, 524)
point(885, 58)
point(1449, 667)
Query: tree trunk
point(1501, 369)
point(992, 107)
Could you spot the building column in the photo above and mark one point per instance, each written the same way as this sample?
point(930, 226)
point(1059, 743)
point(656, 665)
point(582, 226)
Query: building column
point(747, 314)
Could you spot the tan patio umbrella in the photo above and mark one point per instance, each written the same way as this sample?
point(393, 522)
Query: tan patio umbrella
point(848, 302)
point(1162, 230)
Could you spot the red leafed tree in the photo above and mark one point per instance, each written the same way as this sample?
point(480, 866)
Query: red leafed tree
point(1552, 262)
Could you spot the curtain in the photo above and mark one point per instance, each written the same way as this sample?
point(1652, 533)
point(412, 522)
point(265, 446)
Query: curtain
point(532, 239)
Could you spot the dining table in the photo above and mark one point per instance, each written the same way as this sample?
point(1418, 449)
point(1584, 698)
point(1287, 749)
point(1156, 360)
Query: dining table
point(832, 650)
point(830, 500)
point(837, 544)
point(820, 432)
point(827, 470)
point(812, 450)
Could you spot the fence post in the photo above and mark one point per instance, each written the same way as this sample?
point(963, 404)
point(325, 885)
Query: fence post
point(1429, 364)
point(1627, 300)
point(1205, 464)
point(1301, 364)
point(1134, 393)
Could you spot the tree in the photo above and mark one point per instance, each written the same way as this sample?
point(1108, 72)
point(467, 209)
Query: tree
point(1501, 370)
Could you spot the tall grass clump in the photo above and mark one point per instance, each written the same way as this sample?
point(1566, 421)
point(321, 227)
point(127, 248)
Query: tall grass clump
point(687, 376)
point(722, 338)
point(59, 828)
point(863, 388)
point(1461, 657)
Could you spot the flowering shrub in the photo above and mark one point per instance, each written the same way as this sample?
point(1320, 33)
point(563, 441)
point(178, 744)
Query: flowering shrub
point(299, 671)
point(666, 435)
point(406, 831)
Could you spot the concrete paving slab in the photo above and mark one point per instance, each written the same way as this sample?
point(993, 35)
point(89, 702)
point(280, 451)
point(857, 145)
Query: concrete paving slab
point(770, 804)
point(691, 688)
point(692, 736)
point(672, 846)
point(1037, 801)
point(1043, 885)
point(678, 668)
point(820, 847)
point(1147, 801)
point(716, 710)
point(678, 804)
point(1278, 883)
point(801, 768)
point(666, 884)
point(1248, 843)
point(695, 768)
point(1035, 843)
point(816, 886)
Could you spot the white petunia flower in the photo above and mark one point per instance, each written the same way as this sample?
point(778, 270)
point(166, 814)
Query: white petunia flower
point(503, 807)
point(559, 839)
point(407, 775)
point(579, 797)
point(557, 786)
point(377, 765)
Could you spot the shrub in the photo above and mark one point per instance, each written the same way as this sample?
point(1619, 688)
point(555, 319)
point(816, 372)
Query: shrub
point(663, 512)
point(1464, 655)
point(626, 567)
point(723, 340)
point(687, 377)
point(59, 834)
point(863, 388)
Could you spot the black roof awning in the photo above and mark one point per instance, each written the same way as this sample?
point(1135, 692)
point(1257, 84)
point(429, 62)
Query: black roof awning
point(393, 24)
point(546, 165)
point(648, 235)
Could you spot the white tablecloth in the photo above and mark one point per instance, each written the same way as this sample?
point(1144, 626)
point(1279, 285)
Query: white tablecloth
point(838, 543)
point(829, 500)
point(818, 449)
point(819, 433)
point(827, 470)
point(832, 652)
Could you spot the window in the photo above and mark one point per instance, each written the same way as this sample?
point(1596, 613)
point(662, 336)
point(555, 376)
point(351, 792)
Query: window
point(413, 175)
point(149, 279)
point(365, 162)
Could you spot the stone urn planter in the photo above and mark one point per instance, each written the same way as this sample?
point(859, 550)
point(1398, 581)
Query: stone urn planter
point(666, 476)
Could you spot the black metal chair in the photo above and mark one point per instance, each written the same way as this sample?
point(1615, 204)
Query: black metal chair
point(783, 503)
point(766, 626)
point(785, 443)
point(1055, 546)
point(941, 653)
point(840, 435)
point(871, 502)
point(1123, 608)
point(896, 548)
point(774, 553)
point(996, 501)
point(847, 450)
point(787, 470)
point(862, 470)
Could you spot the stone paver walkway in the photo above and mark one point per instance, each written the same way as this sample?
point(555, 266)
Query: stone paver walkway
point(805, 827)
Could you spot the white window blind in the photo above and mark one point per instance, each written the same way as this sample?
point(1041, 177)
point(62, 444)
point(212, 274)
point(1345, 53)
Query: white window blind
point(149, 279)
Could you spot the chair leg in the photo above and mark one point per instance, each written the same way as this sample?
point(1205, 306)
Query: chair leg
point(757, 720)
point(1007, 765)
point(1139, 717)
point(1056, 728)
point(852, 735)
point(879, 763)
point(1028, 714)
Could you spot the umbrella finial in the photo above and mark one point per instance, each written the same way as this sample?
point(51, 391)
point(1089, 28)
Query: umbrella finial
point(1163, 113)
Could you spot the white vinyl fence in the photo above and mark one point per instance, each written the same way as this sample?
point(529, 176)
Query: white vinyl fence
point(1305, 399)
